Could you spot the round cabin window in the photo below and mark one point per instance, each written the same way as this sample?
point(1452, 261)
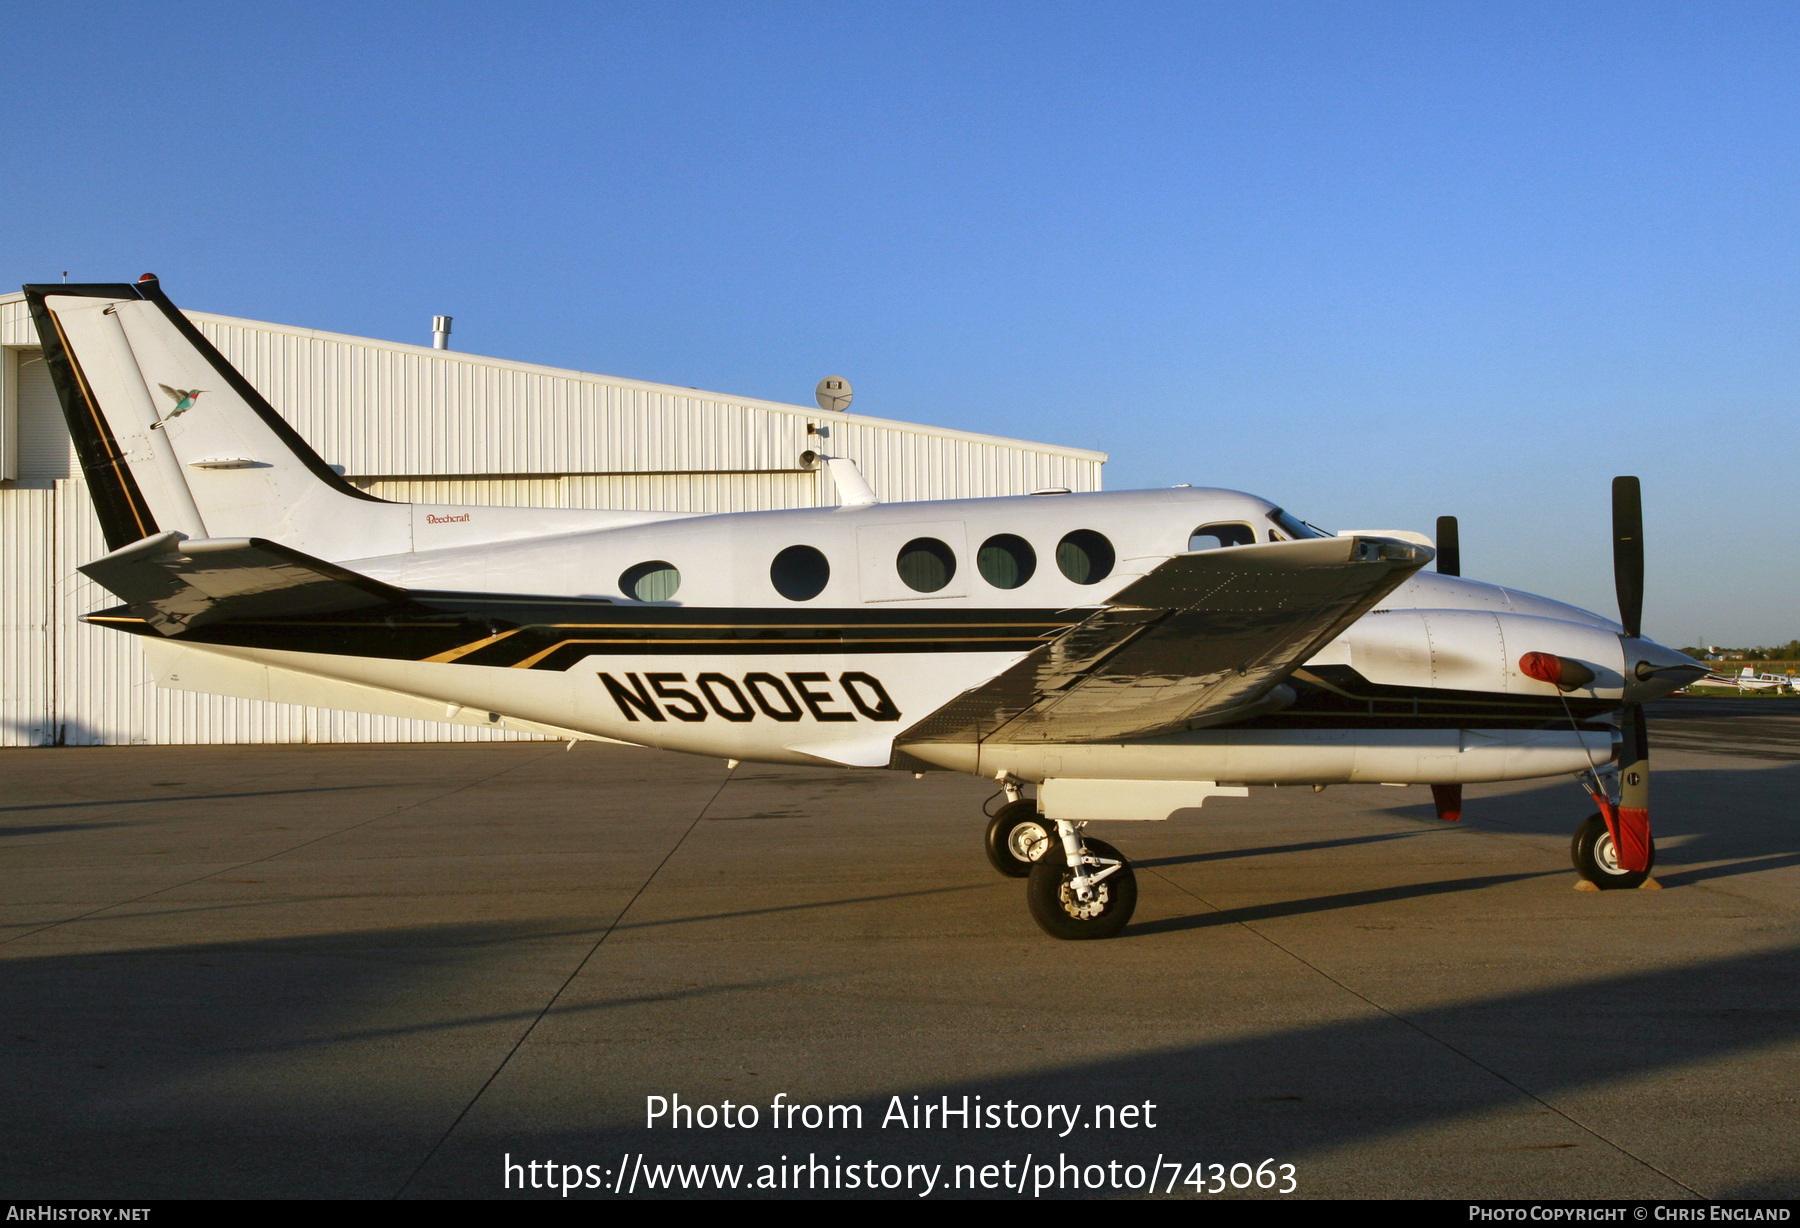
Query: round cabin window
point(1085, 557)
point(1006, 561)
point(655, 581)
point(799, 573)
point(925, 564)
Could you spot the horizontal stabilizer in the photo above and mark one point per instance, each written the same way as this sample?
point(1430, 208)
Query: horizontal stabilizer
point(1203, 639)
point(176, 583)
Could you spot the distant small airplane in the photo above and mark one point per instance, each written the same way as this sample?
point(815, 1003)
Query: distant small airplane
point(1129, 654)
point(1749, 680)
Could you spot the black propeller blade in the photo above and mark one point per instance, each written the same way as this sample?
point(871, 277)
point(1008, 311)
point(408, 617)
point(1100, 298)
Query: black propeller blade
point(1628, 553)
point(1449, 549)
point(1634, 848)
point(1449, 563)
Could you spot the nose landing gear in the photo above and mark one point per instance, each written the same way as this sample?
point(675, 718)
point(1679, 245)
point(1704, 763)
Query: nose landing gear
point(1596, 857)
point(1614, 848)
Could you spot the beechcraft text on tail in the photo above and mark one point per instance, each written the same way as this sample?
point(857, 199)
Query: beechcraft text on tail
point(1102, 656)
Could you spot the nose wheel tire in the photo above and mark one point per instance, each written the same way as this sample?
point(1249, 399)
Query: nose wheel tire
point(1056, 906)
point(1017, 836)
point(1597, 860)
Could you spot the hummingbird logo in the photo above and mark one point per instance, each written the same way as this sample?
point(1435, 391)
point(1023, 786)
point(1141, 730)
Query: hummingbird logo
point(184, 401)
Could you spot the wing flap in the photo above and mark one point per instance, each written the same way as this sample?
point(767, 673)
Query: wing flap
point(176, 583)
point(1200, 638)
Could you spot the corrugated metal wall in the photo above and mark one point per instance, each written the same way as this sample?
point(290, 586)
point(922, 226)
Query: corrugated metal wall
point(27, 519)
point(661, 492)
point(414, 424)
point(45, 450)
point(102, 693)
point(386, 411)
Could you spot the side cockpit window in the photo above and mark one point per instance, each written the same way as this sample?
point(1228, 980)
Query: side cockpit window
point(1213, 536)
point(1293, 527)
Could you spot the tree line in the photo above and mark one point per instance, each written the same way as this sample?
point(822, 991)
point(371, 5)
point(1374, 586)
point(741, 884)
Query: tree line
point(1789, 651)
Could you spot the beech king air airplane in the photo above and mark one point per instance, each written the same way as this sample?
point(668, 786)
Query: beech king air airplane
point(1075, 642)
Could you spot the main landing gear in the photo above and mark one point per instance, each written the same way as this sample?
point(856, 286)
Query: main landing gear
point(1017, 836)
point(1075, 888)
point(1080, 888)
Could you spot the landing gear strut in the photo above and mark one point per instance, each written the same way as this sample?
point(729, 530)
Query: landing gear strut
point(1614, 848)
point(1080, 888)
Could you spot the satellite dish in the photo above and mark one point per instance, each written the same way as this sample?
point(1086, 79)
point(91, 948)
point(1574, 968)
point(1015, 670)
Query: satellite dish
point(833, 393)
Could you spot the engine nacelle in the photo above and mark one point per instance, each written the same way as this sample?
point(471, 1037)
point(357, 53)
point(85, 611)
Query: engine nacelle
point(1475, 650)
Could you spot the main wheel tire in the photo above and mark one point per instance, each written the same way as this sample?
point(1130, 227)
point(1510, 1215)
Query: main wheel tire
point(1055, 908)
point(1597, 860)
point(1017, 836)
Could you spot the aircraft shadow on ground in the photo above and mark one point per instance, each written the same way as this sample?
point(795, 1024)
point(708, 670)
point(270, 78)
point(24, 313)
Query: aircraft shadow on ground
point(1323, 903)
point(803, 906)
point(1273, 850)
point(1295, 1093)
point(179, 797)
point(170, 1070)
point(129, 1073)
point(1698, 817)
point(1702, 841)
point(179, 1061)
point(48, 829)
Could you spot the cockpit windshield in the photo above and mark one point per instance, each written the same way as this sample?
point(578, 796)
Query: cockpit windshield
point(1295, 527)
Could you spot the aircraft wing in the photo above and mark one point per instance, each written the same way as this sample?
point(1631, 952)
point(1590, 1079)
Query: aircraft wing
point(176, 583)
point(1203, 639)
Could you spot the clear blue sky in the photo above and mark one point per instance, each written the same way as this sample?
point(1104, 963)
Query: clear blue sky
point(1375, 261)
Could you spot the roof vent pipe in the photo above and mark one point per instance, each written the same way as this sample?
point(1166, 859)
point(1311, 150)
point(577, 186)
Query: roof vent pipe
point(440, 332)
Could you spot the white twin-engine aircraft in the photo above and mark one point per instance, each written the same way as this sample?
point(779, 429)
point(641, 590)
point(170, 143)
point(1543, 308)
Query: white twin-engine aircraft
point(1130, 654)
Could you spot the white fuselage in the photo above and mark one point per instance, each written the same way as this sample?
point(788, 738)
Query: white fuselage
point(854, 702)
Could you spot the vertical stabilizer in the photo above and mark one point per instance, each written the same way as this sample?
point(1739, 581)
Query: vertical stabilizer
point(171, 437)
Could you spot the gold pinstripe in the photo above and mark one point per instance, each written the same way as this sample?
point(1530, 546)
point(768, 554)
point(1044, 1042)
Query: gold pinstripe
point(453, 654)
point(775, 646)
